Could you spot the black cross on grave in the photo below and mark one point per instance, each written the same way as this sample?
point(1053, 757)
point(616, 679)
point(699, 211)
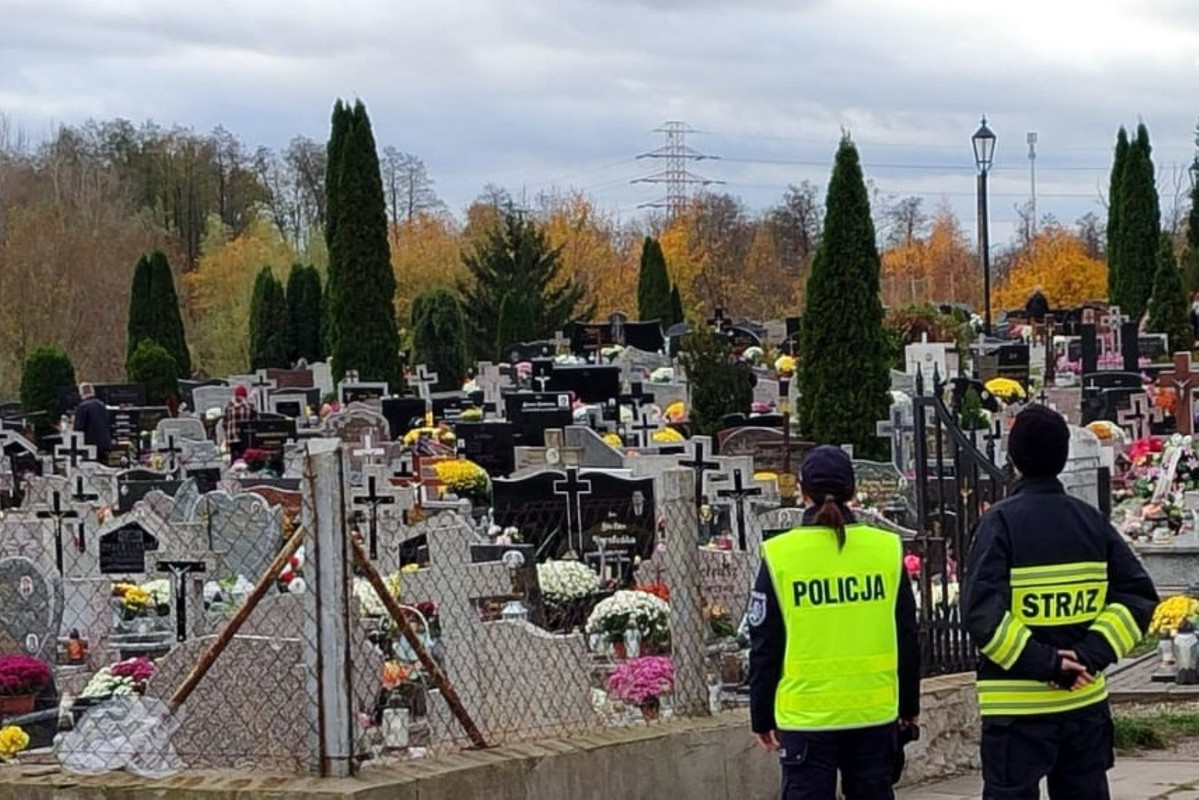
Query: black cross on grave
point(57, 513)
point(373, 499)
point(573, 489)
point(993, 435)
point(179, 571)
point(261, 382)
point(644, 435)
point(718, 322)
point(172, 450)
point(75, 450)
point(700, 466)
point(422, 381)
point(81, 496)
point(738, 494)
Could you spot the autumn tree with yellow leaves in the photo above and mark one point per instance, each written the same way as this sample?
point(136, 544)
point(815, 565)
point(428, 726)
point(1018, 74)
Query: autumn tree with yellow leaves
point(1057, 261)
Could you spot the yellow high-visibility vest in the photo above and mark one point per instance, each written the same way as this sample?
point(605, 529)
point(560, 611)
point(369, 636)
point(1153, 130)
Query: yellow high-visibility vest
point(840, 667)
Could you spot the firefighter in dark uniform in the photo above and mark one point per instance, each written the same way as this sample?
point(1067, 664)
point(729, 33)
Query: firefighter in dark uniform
point(1053, 597)
point(834, 665)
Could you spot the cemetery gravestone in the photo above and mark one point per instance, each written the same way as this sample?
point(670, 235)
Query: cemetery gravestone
point(32, 605)
point(123, 550)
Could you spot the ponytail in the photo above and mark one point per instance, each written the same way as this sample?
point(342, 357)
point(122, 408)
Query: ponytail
point(829, 515)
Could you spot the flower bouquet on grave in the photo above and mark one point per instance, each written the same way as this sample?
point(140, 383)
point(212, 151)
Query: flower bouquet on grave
point(720, 622)
point(406, 686)
point(291, 579)
point(440, 434)
point(631, 611)
point(119, 679)
point(22, 678)
point(13, 741)
point(667, 436)
point(567, 590)
point(369, 604)
point(255, 459)
point(613, 440)
point(466, 479)
point(641, 682)
point(1006, 389)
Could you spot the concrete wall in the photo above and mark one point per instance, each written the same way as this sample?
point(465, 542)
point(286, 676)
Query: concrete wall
point(697, 759)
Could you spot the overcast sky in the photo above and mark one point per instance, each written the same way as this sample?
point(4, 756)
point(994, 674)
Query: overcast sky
point(536, 93)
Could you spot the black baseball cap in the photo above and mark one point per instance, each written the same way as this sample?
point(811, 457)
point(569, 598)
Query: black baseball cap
point(827, 470)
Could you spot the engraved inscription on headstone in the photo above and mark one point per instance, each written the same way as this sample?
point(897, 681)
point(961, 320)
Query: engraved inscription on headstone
point(123, 551)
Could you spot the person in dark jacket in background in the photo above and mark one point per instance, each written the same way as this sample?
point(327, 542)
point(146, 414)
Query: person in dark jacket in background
point(834, 666)
point(1037, 306)
point(91, 418)
point(1053, 597)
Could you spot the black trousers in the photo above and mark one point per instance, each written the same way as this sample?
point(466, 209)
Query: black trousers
point(1074, 753)
point(865, 758)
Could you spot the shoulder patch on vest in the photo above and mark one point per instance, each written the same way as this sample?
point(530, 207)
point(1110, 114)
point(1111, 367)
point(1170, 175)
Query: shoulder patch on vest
point(757, 608)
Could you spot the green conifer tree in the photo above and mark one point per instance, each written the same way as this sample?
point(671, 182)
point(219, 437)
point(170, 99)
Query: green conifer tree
point(270, 327)
point(334, 151)
point(46, 374)
point(515, 257)
point(168, 321)
point(362, 285)
point(1114, 289)
point(439, 337)
point(1190, 256)
point(305, 309)
point(153, 366)
point(676, 306)
point(653, 285)
point(844, 370)
point(140, 324)
point(720, 384)
point(1169, 310)
point(1139, 228)
point(516, 323)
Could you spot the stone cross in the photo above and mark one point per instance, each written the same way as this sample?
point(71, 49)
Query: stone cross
point(1112, 321)
point(897, 429)
point(57, 513)
point(738, 494)
point(718, 321)
point(422, 380)
point(74, 449)
point(261, 385)
point(1139, 416)
point(368, 451)
point(644, 428)
point(573, 489)
point(489, 379)
point(1183, 381)
point(561, 344)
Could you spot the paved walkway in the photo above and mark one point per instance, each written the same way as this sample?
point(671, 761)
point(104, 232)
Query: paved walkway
point(1132, 779)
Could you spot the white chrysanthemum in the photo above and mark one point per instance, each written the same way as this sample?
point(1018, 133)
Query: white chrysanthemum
point(648, 613)
point(566, 580)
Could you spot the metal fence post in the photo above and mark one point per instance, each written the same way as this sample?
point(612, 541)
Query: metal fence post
point(687, 627)
point(327, 639)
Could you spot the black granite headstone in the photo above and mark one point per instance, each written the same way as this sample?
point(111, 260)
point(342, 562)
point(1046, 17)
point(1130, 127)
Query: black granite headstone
point(123, 551)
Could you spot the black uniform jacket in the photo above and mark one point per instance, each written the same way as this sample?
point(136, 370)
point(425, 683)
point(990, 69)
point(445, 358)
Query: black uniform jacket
point(1040, 526)
point(767, 637)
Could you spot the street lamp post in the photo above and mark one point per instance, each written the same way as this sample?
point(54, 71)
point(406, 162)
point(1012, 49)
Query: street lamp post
point(984, 152)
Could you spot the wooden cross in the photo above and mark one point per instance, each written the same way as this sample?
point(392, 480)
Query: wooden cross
point(573, 489)
point(1139, 416)
point(1183, 381)
point(75, 450)
point(738, 494)
point(179, 571)
point(57, 513)
point(700, 466)
point(422, 380)
point(372, 499)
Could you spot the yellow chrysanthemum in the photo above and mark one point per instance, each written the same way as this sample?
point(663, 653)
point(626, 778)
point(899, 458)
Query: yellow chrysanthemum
point(613, 439)
point(668, 436)
point(676, 411)
point(785, 365)
point(765, 476)
point(462, 476)
point(12, 741)
point(1005, 388)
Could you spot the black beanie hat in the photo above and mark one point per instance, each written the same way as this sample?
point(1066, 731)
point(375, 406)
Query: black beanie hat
point(827, 470)
point(1039, 442)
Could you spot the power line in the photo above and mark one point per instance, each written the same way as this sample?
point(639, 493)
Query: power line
point(677, 178)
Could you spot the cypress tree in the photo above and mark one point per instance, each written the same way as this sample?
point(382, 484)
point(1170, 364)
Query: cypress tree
point(270, 327)
point(154, 367)
point(515, 257)
point(1113, 215)
point(439, 337)
point(844, 365)
point(305, 309)
point(1139, 228)
point(653, 285)
point(1190, 256)
point(1169, 310)
point(362, 285)
point(333, 155)
point(46, 373)
point(676, 306)
point(515, 323)
point(140, 324)
point(168, 321)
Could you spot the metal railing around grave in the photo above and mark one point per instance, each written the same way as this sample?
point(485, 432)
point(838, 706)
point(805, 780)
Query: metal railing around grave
point(955, 484)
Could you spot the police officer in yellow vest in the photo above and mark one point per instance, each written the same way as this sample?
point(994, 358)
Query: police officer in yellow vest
point(1052, 597)
point(834, 665)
